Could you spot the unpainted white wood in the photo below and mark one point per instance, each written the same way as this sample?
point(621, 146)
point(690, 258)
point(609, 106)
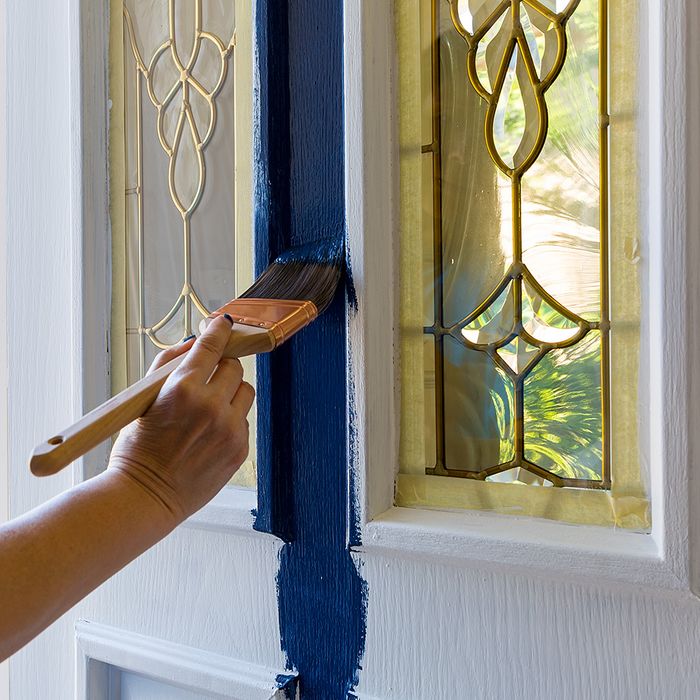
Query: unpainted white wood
point(230, 511)
point(210, 590)
point(436, 630)
point(371, 197)
point(4, 472)
point(692, 330)
point(665, 296)
point(538, 547)
point(89, 110)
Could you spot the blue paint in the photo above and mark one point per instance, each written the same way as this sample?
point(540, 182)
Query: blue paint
point(288, 684)
point(304, 493)
point(326, 250)
point(272, 224)
point(351, 293)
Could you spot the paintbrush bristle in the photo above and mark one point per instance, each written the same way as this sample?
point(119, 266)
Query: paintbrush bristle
point(310, 273)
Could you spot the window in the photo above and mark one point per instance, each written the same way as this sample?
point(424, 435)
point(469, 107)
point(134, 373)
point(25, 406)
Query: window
point(520, 258)
point(180, 165)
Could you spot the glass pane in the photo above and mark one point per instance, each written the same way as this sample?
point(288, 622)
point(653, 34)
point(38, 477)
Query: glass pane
point(475, 196)
point(528, 252)
point(180, 161)
point(514, 160)
point(479, 411)
point(521, 187)
point(561, 192)
point(185, 252)
point(563, 412)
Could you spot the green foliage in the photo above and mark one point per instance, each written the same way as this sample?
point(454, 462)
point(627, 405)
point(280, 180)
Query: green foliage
point(563, 424)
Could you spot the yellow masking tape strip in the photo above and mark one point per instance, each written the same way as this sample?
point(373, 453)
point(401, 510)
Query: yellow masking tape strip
point(117, 186)
point(580, 506)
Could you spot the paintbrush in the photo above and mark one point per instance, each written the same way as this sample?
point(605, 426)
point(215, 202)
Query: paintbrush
point(288, 295)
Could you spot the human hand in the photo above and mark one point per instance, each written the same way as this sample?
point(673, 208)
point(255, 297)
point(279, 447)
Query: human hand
point(194, 437)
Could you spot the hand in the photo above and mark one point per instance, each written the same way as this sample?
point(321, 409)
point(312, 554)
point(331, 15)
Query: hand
point(194, 437)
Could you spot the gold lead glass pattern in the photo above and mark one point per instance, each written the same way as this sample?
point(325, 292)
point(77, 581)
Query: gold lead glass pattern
point(517, 306)
point(180, 150)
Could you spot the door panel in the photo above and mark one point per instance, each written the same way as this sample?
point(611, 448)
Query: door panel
point(486, 606)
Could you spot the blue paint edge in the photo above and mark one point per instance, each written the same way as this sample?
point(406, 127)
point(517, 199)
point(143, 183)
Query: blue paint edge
point(306, 483)
point(272, 157)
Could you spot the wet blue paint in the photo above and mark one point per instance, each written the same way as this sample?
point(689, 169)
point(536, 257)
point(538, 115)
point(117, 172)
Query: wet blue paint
point(272, 217)
point(287, 684)
point(350, 291)
point(304, 485)
point(325, 250)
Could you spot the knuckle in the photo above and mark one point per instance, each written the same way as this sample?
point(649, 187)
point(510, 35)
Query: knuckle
point(186, 391)
point(208, 343)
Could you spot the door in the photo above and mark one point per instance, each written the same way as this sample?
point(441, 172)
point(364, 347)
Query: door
point(204, 614)
point(326, 580)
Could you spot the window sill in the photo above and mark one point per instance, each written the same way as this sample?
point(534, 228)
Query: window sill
point(522, 545)
point(231, 510)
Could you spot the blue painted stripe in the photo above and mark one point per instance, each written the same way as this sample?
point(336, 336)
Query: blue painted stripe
point(302, 394)
point(272, 218)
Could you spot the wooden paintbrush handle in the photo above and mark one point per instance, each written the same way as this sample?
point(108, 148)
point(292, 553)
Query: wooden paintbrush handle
point(105, 420)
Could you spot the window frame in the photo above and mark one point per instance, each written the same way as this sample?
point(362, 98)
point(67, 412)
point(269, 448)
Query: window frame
point(663, 559)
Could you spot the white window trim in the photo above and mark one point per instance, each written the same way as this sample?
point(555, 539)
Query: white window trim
point(103, 652)
point(659, 560)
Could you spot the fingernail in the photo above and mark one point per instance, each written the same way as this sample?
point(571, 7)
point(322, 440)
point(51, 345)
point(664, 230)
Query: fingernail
point(188, 338)
point(228, 318)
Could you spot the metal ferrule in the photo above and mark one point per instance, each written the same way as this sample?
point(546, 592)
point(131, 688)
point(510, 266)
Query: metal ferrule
point(282, 317)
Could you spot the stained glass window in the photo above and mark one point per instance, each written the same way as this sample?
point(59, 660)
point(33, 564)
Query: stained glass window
point(180, 152)
point(515, 244)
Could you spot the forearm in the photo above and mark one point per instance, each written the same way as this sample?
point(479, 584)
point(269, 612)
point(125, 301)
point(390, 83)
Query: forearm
point(53, 556)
